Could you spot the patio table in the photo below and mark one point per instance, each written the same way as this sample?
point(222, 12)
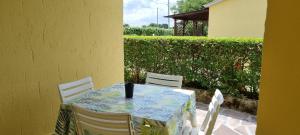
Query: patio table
point(154, 109)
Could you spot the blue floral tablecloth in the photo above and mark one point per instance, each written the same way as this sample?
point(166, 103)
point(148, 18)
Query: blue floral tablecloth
point(155, 110)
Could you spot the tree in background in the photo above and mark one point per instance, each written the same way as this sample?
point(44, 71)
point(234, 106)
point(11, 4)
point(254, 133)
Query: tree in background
point(150, 30)
point(183, 6)
point(126, 25)
point(189, 5)
point(158, 25)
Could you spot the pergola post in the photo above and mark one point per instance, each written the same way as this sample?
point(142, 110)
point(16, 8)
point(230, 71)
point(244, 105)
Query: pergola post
point(195, 28)
point(183, 27)
point(175, 27)
point(204, 23)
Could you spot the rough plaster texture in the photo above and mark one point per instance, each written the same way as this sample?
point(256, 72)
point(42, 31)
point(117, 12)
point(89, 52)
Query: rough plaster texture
point(47, 42)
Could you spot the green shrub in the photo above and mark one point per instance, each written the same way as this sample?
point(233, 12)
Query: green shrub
point(231, 65)
point(147, 31)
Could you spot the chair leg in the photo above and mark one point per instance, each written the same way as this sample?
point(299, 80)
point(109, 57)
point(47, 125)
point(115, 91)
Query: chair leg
point(187, 130)
point(195, 131)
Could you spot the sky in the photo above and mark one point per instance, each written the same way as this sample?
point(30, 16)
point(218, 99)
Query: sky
point(144, 12)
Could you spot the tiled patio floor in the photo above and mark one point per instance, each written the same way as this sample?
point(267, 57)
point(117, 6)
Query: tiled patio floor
point(241, 123)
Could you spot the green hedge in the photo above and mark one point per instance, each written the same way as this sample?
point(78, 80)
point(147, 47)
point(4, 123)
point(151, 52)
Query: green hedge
point(232, 65)
point(147, 31)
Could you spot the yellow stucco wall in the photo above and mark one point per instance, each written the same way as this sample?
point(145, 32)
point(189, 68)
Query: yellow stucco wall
point(237, 18)
point(279, 112)
point(47, 42)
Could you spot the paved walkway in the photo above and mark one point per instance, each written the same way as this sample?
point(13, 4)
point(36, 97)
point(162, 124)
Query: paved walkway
point(228, 120)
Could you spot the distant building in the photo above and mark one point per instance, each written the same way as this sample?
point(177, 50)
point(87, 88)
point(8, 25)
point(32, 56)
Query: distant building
point(225, 18)
point(237, 18)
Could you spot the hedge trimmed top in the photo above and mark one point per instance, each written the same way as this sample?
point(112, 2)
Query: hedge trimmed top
point(230, 64)
point(197, 38)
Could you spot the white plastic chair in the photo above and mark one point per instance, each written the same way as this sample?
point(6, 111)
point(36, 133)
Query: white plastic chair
point(74, 89)
point(94, 123)
point(210, 119)
point(164, 80)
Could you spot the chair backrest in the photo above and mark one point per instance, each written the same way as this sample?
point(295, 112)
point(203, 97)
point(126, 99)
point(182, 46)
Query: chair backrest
point(212, 113)
point(74, 89)
point(164, 80)
point(95, 123)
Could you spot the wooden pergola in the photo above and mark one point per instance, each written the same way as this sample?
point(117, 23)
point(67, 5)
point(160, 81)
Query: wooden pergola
point(190, 23)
